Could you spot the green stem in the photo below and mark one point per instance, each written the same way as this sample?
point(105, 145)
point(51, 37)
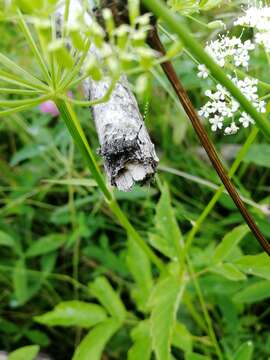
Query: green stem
point(79, 138)
point(19, 108)
point(77, 134)
point(196, 227)
point(22, 102)
point(174, 22)
point(19, 81)
point(33, 46)
point(206, 315)
point(13, 67)
point(134, 234)
point(67, 80)
point(19, 91)
point(101, 100)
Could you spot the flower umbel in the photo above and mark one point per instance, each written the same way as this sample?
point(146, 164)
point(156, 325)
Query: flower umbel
point(258, 18)
point(221, 109)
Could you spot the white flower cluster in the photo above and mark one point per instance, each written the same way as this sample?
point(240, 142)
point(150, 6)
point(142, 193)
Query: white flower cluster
point(222, 110)
point(225, 50)
point(221, 107)
point(257, 17)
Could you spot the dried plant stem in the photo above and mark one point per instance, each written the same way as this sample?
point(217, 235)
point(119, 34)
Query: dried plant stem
point(169, 70)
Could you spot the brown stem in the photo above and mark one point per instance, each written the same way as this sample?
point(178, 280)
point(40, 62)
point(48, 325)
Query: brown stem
point(155, 43)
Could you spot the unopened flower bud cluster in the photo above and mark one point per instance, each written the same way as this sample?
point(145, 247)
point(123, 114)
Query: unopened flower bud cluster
point(119, 48)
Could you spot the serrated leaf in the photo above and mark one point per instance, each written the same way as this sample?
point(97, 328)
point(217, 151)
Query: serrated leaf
point(229, 241)
point(106, 295)
point(24, 353)
point(73, 313)
point(140, 268)
point(92, 345)
point(164, 302)
point(141, 348)
point(46, 244)
point(229, 271)
point(168, 237)
point(258, 265)
point(244, 352)
point(254, 293)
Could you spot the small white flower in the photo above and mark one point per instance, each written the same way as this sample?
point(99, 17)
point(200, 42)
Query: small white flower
point(257, 17)
point(245, 120)
point(217, 122)
point(221, 106)
point(203, 71)
point(224, 49)
point(231, 130)
point(261, 107)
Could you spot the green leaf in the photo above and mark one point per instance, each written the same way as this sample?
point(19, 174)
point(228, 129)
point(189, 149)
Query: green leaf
point(141, 348)
point(20, 282)
point(229, 271)
point(140, 268)
point(104, 254)
point(258, 154)
point(228, 243)
point(182, 338)
point(24, 353)
point(73, 313)
point(164, 302)
point(46, 244)
point(92, 346)
point(168, 237)
point(258, 265)
point(6, 239)
point(106, 295)
point(245, 351)
point(254, 293)
point(28, 152)
point(37, 337)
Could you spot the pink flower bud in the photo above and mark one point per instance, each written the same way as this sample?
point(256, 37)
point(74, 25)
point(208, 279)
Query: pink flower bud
point(49, 107)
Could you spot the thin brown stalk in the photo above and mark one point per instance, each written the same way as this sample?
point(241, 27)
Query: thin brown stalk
point(155, 43)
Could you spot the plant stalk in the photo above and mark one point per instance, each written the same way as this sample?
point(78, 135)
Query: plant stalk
point(170, 72)
point(174, 22)
point(79, 138)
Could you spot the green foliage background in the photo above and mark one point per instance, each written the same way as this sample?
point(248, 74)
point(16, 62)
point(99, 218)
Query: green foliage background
point(74, 285)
